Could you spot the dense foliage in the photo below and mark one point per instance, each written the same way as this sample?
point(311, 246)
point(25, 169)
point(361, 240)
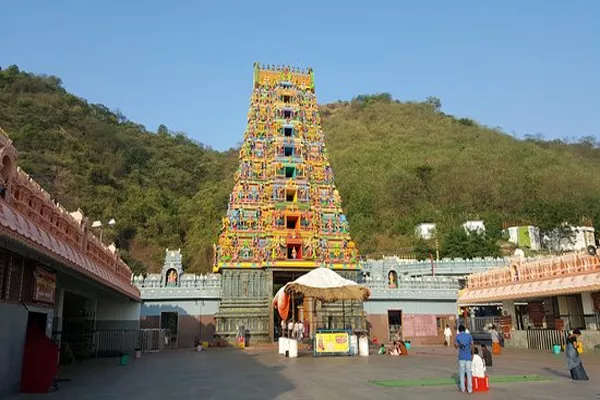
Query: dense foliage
point(396, 165)
point(159, 187)
point(401, 164)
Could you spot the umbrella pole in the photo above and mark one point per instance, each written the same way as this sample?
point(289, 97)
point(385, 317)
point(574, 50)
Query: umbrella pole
point(343, 314)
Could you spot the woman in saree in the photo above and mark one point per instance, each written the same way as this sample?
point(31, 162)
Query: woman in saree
point(574, 363)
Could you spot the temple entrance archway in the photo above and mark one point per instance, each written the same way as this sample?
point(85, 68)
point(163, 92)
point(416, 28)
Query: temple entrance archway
point(280, 278)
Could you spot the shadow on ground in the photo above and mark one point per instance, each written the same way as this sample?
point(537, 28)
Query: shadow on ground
point(181, 374)
point(560, 374)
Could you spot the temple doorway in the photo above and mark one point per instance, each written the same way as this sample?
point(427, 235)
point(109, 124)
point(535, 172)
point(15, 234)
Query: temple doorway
point(78, 326)
point(394, 324)
point(280, 278)
point(170, 321)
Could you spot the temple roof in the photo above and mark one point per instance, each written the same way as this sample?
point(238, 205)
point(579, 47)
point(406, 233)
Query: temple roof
point(29, 216)
point(555, 276)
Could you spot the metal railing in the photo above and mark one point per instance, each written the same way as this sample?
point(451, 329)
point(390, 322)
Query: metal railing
point(545, 339)
point(352, 322)
point(114, 342)
point(479, 324)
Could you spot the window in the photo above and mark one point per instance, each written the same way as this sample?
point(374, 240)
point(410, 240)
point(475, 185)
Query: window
point(287, 114)
point(286, 99)
point(290, 195)
point(288, 151)
point(288, 132)
point(291, 222)
point(290, 172)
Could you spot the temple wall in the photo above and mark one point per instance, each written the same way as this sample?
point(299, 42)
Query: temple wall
point(518, 340)
point(243, 298)
point(411, 307)
point(589, 338)
point(196, 318)
point(378, 327)
point(12, 339)
point(379, 269)
point(117, 315)
point(434, 312)
point(183, 307)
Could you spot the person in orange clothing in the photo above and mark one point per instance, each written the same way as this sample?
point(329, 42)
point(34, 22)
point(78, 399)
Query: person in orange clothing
point(495, 336)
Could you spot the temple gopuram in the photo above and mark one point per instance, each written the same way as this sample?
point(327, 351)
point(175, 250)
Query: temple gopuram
point(284, 215)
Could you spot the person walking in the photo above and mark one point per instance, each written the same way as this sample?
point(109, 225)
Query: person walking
point(464, 344)
point(574, 363)
point(495, 336)
point(448, 335)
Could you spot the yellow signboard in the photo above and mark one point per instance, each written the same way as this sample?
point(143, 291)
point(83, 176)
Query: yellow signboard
point(338, 342)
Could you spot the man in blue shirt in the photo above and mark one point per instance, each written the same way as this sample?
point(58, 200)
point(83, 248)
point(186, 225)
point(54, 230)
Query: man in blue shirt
point(464, 344)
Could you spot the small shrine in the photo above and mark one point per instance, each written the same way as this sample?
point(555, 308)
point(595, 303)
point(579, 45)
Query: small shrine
point(172, 269)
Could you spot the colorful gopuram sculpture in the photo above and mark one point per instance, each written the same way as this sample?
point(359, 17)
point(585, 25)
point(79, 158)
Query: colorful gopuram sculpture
point(284, 210)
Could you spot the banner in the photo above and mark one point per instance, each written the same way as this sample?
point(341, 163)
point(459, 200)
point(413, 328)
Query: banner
point(332, 343)
point(44, 286)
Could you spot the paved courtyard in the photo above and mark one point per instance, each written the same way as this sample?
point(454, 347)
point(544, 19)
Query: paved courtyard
point(262, 374)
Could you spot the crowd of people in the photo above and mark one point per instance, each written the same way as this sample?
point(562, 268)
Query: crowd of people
point(398, 349)
point(473, 364)
point(470, 362)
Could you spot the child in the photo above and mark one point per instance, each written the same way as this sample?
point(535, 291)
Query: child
point(382, 350)
point(394, 350)
point(487, 356)
point(477, 366)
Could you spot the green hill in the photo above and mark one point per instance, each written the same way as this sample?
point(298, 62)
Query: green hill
point(400, 164)
point(396, 165)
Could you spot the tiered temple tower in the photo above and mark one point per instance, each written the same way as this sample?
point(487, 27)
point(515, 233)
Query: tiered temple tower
point(284, 215)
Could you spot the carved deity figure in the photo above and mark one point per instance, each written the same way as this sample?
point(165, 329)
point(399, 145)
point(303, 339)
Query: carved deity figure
point(392, 280)
point(172, 277)
point(308, 249)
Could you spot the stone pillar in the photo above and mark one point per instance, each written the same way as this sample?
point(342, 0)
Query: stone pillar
point(472, 318)
point(563, 306)
point(508, 309)
point(267, 291)
point(309, 314)
point(588, 311)
point(58, 314)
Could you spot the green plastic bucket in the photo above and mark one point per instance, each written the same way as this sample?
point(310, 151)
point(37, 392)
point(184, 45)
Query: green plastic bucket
point(123, 359)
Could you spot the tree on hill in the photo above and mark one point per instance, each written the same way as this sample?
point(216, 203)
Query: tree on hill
point(459, 243)
point(423, 250)
point(396, 165)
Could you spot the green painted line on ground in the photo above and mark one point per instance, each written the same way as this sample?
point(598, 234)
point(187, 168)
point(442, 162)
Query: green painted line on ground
point(452, 381)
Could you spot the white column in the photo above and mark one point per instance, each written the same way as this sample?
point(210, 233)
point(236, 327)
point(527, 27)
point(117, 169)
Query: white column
point(588, 310)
